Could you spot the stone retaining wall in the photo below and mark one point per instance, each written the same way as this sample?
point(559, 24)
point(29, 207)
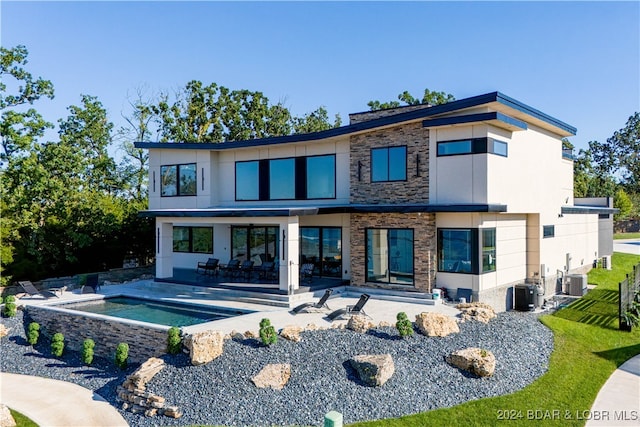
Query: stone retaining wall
point(144, 341)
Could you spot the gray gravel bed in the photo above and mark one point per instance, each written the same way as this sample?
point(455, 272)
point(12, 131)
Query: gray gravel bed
point(221, 392)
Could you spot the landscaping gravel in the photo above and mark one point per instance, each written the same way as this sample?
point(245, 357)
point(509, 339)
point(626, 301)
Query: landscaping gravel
point(221, 392)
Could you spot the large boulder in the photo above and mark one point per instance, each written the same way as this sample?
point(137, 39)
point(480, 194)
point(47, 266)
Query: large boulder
point(204, 346)
point(436, 324)
point(475, 360)
point(4, 331)
point(6, 419)
point(480, 311)
point(275, 376)
point(291, 333)
point(144, 373)
point(373, 369)
point(359, 323)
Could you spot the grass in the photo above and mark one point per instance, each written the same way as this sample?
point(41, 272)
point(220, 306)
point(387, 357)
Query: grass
point(21, 420)
point(588, 347)
point(618, 236)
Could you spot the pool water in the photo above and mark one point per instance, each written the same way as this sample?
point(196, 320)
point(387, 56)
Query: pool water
point(161, 313)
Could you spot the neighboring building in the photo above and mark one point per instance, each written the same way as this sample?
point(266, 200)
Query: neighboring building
point(476, 193)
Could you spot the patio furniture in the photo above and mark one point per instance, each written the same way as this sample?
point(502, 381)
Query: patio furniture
point(351, 310)
point(322, 303)
point(229, 269)
point(245, 270)
point(210, 266)
point(266, 270)
point(91, 286)
point(306, 272)
point(28, 287)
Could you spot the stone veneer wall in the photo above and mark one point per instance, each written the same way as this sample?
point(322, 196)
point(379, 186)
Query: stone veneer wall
point(424, 247)
point(143, 341)
point(371, 115)
point(415, 189)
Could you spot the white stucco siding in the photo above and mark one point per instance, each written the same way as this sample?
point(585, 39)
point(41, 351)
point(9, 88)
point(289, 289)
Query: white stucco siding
point(534, 177)
point(576, 235)
point(228, 158)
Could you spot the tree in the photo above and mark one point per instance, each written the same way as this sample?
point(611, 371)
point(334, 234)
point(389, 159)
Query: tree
point(589, 178)
point(428, 98)
point(20, 129)
point(622, 201)
point(620, 156)
point(315, 121)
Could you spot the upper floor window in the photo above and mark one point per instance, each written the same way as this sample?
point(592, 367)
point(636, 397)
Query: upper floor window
point(282, 179)
point(178, 180)
point(295, 178)
point(389, 164)
point(548, 231)
point(321, 177)
point(247, 181)
point(472, 146)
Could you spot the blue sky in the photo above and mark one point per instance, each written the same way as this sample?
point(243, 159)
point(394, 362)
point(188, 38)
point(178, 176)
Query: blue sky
point(577, 61)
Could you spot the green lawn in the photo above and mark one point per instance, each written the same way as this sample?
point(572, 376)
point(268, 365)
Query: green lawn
point(588, 347)
point(21, 420)
point(618, 236)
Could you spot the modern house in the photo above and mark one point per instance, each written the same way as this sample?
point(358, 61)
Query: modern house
point(476, 194)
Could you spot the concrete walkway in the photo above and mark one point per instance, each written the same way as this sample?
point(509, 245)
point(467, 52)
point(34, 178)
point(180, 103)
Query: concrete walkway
point(57, 403)
point(618, 402)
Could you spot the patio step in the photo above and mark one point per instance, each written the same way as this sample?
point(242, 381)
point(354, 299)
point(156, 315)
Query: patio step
point(213, 293)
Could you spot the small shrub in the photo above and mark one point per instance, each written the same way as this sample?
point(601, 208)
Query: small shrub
point(404, 325)
point(122, 354)
point(10, 308)
point(57, 344)
point(174, 341)
point(268, 334)
point(87, 351)
point(33, 333)
point(483, 353)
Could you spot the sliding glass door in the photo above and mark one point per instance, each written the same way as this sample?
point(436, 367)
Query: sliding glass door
point(258, 244)
point(322, 246)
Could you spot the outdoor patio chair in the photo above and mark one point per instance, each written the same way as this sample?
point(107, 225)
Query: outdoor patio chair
point(351, 310)
point(266, 270)
point(33, 292)
point(91, 286)
point(322, 303)
point(306, 272)
point(210, 266)
point(229, 269)
point(244, 270)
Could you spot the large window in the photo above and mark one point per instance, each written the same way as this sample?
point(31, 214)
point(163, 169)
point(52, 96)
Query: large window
point(296, 178)
point(458, 250)
point(258, 244)
point(178, 180)
point(247, 181)
point(488, 250)
point(322, 246)
point(321, 177)
point(390, 256)
point(388, 164)
point(193, 239)
point(472, 146)
point(282, 179)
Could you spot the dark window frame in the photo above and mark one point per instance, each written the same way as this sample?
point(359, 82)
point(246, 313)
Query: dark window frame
point(548, 231)
point(389, 255)
point(406, 163)
point(300, 181)
point(475, 250)
point(178, 174)
point(190, 249)
point(484, 145)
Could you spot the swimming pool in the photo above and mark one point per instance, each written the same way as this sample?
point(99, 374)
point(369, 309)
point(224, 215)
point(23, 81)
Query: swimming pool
point(157, 312)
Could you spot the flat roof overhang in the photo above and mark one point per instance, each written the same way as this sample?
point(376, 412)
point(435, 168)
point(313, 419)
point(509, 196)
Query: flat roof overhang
point(568, 210)
point(322, 210)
